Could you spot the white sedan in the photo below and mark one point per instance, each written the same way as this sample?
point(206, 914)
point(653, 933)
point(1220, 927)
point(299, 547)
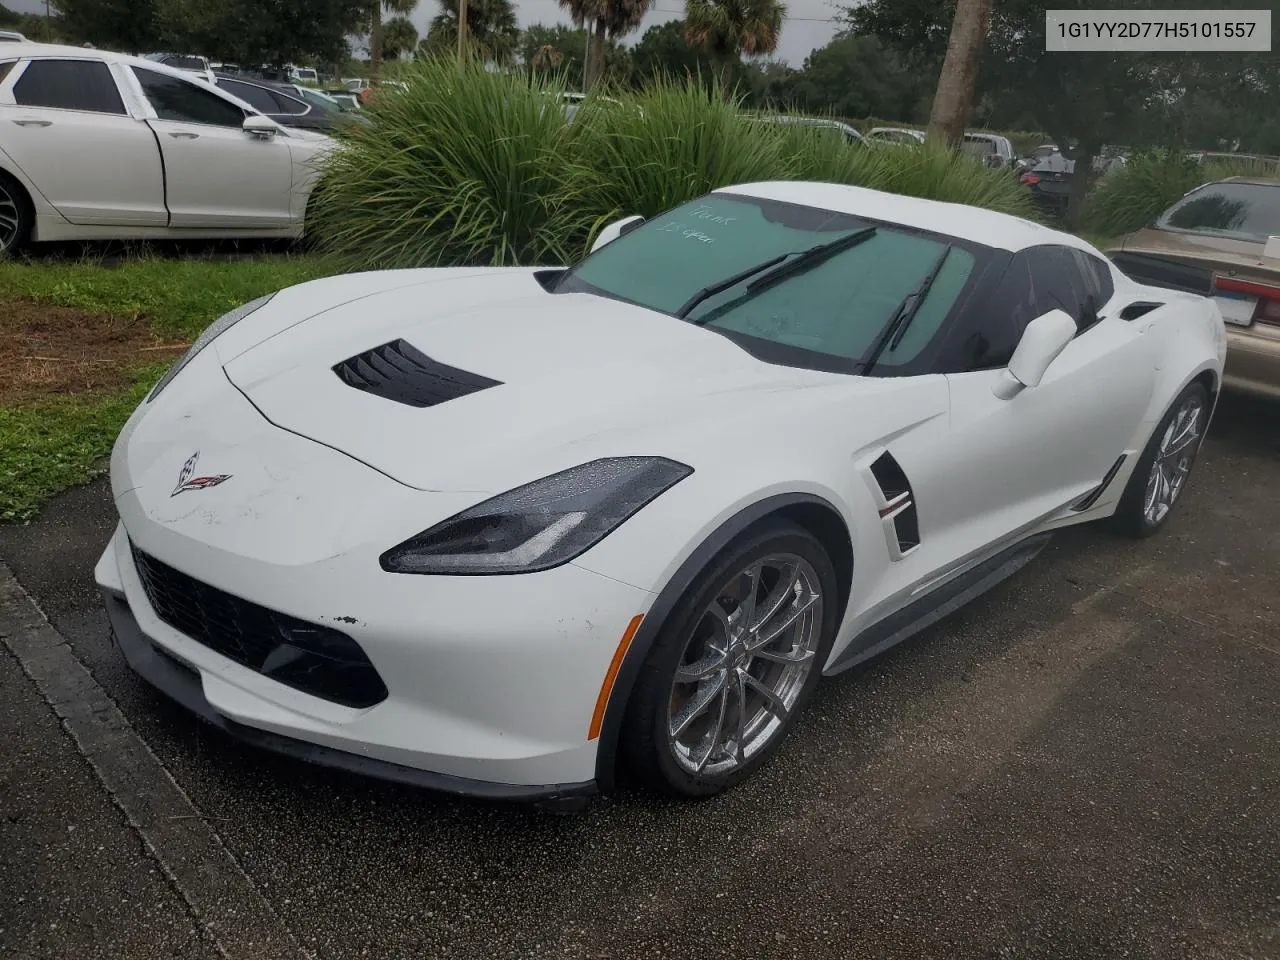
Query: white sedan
point(101, 145)
point(497, 530)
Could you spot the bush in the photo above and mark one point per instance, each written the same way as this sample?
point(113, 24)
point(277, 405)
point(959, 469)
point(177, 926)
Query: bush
point(1131, 197)
point(471, 167)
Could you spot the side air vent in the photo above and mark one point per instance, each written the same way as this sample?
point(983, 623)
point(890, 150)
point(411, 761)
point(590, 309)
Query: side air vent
point(897, 505)
point(1140, 309)
point(399, 371)
point(1094, 495)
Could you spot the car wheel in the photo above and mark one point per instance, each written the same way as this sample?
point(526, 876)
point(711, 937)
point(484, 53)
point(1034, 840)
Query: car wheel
point(734, 663)
point(15, 216)
point(1162, 471)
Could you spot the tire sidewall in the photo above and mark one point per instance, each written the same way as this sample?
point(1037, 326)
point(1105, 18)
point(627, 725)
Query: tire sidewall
point(11, 187)
point(1130, 514)
point(646, 726)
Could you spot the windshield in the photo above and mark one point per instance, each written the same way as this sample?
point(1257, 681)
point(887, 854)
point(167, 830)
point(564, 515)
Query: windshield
point(1246, 211)
point(317, 99)
point(834, 310)
point(184, 63)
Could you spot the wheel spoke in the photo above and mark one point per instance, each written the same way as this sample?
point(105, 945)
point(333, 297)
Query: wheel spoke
point(765, 638)
point(702, 698)
point(785, 656)
point(777, 599)
point(713, 738)
point(702, 668)
point(773, 703)
point(740, 748)
point(746, 611)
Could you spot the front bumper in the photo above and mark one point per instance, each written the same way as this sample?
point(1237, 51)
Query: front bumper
point(490, 695)
point(1253, 361)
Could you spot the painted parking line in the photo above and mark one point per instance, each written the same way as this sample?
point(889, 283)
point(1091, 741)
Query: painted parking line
point(230, 909)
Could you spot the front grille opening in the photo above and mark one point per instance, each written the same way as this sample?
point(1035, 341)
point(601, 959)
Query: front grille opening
point(318, 660)
point(399, 371)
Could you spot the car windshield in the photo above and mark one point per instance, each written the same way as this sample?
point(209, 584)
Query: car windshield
point(1245, 211)
point(184, 63)
point(835, 310)
point(316, 99)
point(979, 148)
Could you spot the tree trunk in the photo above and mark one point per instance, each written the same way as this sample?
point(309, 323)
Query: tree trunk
point(463, 39)
point(375, 40)
point(1081, 176)
point(594, 68)
point(726, 80)
point(959, 77)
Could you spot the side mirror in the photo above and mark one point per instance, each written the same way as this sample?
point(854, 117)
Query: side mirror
point(1045, 337)
point(256, 125)
point(614, 230)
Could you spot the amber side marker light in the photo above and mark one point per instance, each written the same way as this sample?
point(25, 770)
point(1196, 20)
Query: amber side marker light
point(606, 688)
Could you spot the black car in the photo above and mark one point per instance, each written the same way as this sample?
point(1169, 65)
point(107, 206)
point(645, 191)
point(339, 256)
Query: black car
point(285, 104)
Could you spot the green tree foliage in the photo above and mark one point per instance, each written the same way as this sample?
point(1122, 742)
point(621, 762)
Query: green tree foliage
point(665, 50)
point(860, 76)
point(128, 25)
point(492, 29)
point(604, 21)
point(399, 36)
point(561, 51)
point(727, 29)
point(253, 32)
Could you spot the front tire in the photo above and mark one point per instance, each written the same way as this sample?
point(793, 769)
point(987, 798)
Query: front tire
point(734, 664)
point(1165, 465)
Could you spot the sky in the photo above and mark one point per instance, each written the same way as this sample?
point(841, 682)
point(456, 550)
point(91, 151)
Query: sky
point(809, 23)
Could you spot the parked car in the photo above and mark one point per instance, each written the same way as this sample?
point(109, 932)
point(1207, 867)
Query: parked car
point(348, 101)
point(10, 36)
point(650, 499)
point(851, 134)
point(896, 135)
point(303, 75)
point(992, 149)
point(287, 104)
point(196, 66)
point(1222, 240)
point(1049, 180)
point(97, 144)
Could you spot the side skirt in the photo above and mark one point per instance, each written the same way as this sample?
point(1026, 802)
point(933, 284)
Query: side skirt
point(939, 602)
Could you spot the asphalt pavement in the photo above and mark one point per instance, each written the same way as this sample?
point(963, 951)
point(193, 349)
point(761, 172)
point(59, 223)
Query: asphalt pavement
point(1084, 763)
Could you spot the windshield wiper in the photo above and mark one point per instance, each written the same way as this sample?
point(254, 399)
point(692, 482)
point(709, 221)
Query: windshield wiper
point(805, 260)
point(811, 258)
point(723, 285)
point(896, 328)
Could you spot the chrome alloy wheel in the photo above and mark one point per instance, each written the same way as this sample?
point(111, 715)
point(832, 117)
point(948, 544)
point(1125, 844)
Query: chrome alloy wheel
point(10, 218)
point(745, 665)
point(1169, 471)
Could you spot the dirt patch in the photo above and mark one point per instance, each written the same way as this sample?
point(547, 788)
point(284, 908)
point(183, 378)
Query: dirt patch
point(49, 351)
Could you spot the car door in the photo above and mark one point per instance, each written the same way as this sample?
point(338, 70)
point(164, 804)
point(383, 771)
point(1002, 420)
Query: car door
point(216, 173)
point(64, 123)
point(1006, 466)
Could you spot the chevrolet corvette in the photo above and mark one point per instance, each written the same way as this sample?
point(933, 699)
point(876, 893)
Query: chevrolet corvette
point(510, 531)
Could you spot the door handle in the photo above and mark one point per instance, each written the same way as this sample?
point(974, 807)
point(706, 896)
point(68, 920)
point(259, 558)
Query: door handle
point(183, 135)
point(34, 123)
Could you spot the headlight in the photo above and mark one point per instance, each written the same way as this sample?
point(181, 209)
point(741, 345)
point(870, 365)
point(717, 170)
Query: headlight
point(540, 525)
point(218, 327)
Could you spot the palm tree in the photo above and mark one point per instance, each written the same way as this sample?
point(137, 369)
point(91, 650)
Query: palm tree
point(398, 37)
point(604, 19)
point(727, 29)
point(491, 28)
point(959, 76)
point(401, 8)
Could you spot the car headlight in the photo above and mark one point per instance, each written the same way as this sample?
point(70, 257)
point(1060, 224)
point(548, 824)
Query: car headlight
point(540, 525)
point(214, 330)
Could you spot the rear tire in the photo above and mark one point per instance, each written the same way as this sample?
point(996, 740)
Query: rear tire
point(734, 663)
point(16, 216)
point(1162, 471)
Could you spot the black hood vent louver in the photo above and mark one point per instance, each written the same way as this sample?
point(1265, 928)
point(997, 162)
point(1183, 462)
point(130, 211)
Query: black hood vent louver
point(399, 371)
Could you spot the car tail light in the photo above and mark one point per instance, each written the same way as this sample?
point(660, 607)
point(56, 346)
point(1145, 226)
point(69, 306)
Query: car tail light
point(1268, 308)
point(1030, 179)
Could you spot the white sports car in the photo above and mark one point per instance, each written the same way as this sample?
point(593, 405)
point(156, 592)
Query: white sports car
point(498, 531)
point(96, 144)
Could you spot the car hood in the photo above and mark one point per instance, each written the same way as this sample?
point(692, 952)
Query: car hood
point(1224, 255)
point(534, 382)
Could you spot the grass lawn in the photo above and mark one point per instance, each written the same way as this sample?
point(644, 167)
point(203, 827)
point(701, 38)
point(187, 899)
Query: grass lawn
point(82, 343)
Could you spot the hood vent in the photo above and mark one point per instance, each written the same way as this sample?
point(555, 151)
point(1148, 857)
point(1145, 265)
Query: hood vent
point(399, 371)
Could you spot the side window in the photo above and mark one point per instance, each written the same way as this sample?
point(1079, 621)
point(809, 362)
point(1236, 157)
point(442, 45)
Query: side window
point(1060, 284)
point(288, 104)
point(259, 98)
point(1097, 278)
point(69, 85)
point(5, 68)
point(176, 99)
point(1015, 303)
